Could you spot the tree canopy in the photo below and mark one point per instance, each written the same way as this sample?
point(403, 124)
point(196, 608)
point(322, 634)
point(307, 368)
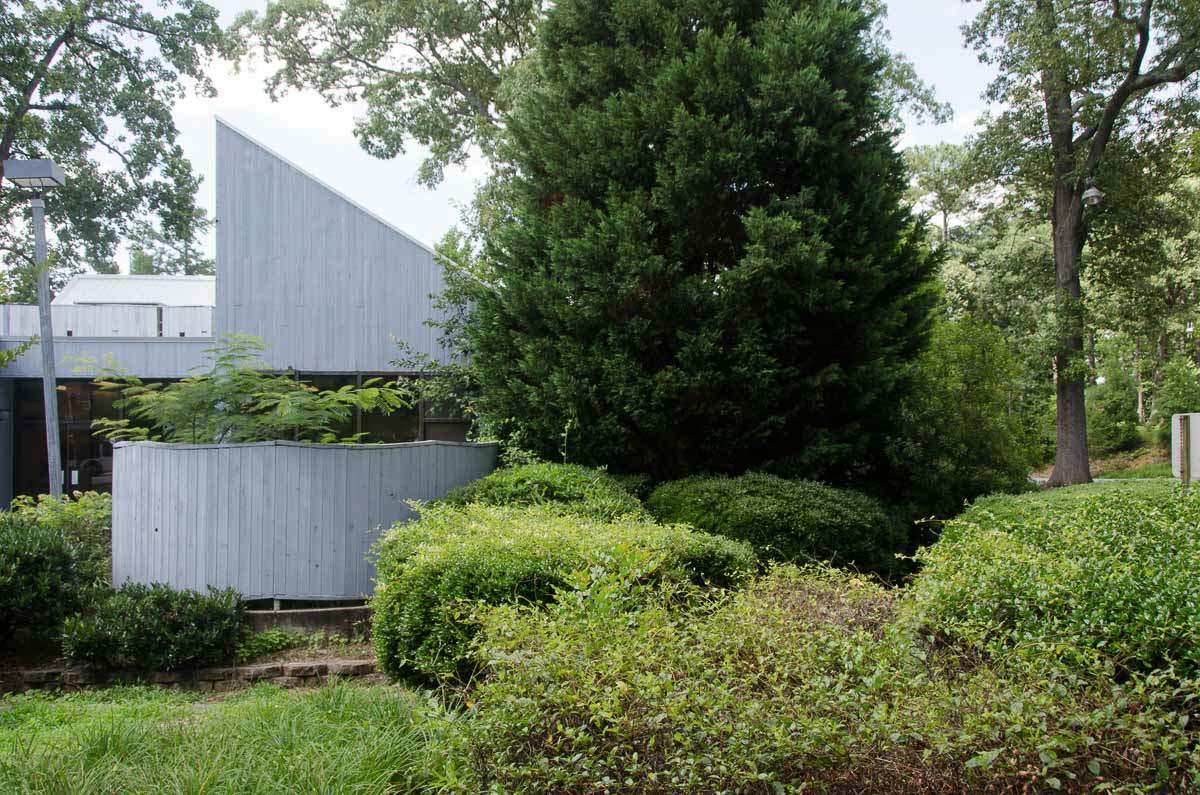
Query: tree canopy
point(703, 258)
point(91, 84)
point(445, 73)
point(1075, 80)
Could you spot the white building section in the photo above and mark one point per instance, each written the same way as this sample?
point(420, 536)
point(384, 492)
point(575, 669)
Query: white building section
point(97, 288)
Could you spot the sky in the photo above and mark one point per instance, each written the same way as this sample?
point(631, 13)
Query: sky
point(320, 139)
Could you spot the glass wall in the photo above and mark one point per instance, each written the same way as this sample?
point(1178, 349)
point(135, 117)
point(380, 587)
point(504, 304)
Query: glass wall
point(399, 426)
point(87, 461)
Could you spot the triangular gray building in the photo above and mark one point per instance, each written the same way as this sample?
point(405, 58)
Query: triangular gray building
point(330, 288)
point(327, 284)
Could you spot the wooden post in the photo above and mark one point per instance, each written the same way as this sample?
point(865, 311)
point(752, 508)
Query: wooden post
point(1185, 451)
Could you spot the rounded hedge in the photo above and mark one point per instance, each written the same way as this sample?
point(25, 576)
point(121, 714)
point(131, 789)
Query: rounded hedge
point(577, 489)
point(787, 520)
point(157, 628)
point(431, 572)
point(40, 577)
point(1104, 580)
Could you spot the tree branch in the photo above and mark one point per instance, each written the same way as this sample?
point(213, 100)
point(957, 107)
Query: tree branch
point(35, 81)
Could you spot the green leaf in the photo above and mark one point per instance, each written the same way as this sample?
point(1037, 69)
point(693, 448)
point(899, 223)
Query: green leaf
point(984, 759)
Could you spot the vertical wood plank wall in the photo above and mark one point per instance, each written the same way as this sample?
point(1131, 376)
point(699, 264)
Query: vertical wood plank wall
point(272, 519)
point(79, 357)
point(108, 320)
point(327, 285)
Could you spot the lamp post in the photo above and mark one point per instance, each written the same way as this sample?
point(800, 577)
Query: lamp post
point(40, 175)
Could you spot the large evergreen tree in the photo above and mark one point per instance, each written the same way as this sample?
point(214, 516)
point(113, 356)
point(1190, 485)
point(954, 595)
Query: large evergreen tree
point(703, 259)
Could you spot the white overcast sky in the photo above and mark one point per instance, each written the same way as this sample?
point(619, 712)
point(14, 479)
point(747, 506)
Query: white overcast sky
point(319, 139)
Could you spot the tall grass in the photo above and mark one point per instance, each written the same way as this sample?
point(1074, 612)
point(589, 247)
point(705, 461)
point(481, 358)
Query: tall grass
point(343, 738)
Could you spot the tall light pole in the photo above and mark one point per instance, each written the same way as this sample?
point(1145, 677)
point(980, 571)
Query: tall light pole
point(38, 176)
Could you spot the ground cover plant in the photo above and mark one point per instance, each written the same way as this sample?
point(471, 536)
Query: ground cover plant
point(578, 489)
point(809, 680)
point(274, 644)
point(432, 572)
point(1153, 469)
point(342, 738)
point(157, 628)
point(792, 520)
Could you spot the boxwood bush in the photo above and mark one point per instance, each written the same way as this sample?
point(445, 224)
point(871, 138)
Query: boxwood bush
point(788, 520)
point(41, 581)
point(430, 572)
point(804, 681)
point(157, 628)
point(85, 519)
point(1104, 582)
point(578, 489)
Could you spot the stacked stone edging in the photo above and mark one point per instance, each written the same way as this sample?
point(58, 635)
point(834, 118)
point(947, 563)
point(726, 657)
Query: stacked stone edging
point(302, 673)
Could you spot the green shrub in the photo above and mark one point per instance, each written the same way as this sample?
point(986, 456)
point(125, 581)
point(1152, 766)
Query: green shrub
point(1108, 581)
point(1112, 421)
point(1179, 393)
point(782, 519)
point(1016, 506)
point(578, 489)
point(962, 432)
point(85, 518)
point(157, 628)
point(431, 571)
point(802, 682)
point(40, 577)
point(638, 486)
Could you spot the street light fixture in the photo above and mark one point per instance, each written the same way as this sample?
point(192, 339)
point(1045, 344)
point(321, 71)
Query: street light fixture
point(37, 176)
point(34, 174)
point(1092, 196)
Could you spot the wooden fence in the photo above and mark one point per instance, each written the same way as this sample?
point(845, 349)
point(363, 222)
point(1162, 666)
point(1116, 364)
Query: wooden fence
point(282, 520)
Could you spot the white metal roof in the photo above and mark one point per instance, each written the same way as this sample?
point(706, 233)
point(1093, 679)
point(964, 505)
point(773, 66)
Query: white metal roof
point(102, 288)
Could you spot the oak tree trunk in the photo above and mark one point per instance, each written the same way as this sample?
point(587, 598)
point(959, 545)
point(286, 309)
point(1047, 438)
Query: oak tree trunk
point(1071, 455)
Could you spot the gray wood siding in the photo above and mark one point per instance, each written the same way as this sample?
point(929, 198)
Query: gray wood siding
point(325, 283)
point(273, 519)
point(108, 320)
point(76, 357)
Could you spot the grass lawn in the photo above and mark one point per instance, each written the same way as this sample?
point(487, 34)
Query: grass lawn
point(1153, 469)
point(342, 738)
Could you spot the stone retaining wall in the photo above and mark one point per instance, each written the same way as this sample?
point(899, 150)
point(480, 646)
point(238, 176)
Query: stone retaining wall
point(285, 674)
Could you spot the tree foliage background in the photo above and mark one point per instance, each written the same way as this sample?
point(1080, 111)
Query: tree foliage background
point(91, 84)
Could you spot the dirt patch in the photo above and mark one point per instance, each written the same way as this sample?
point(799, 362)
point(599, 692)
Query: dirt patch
point(336, 651)
point(1130, 460)
point(1117, 463)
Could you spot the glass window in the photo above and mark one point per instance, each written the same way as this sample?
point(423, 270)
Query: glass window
point(87, 460)
point(399, 426)
point(324, 382)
